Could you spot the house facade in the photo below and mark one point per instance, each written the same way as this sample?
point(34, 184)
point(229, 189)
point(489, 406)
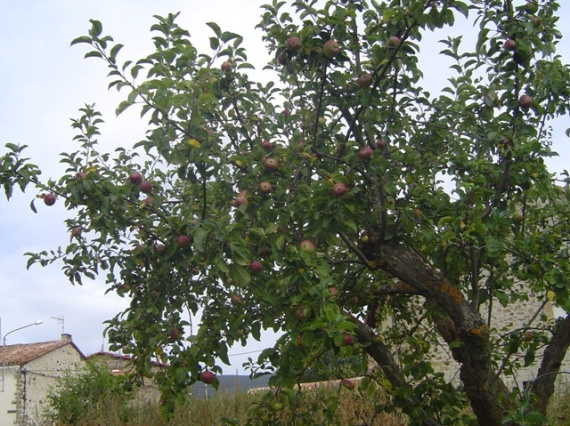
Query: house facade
point(29, 370)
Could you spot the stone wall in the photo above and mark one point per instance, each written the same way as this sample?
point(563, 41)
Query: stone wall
point(504, 320)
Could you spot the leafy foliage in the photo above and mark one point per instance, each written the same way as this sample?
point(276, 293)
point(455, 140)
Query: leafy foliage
point(78, 397)
point(330, 367)
point(445, 207)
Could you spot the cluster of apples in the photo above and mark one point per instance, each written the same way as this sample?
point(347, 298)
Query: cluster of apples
point(135, 178)
point(331, 50)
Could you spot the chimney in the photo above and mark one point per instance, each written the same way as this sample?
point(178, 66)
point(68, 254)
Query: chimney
point(66, 336)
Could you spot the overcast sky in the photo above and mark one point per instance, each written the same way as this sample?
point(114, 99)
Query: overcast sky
point(43, 82)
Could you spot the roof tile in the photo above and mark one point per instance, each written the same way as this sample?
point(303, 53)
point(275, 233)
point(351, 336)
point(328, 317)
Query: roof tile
point(23, 353)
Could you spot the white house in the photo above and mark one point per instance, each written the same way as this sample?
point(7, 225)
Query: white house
point(29, 370)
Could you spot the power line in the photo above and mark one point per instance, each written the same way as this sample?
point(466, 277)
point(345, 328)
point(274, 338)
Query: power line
point(246, 353)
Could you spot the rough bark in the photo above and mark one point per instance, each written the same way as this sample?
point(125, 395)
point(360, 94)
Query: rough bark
point(543, 385)
point(482, 387)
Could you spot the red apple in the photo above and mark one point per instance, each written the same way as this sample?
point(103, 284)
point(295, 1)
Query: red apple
point(510, 45)
point(239, 200)
point(182, 240)
point(76, 231)
point(226, 66)
point(331, 49)
point(135, 178)
point(394, 41)
point(80, 175)
point(160, 248)
point(339, 189)
point(175, 333)
point(286, 113)
point(282, 58)
point(525, 101)
point(265, 188)
point(255, 266)
point(149, 201)
point(333, 291)
point(267, 145)
point(365, 153)
point(307, 246)
point(349, 384)
point(293, 44)
point(300, 312)
point(347, 339)
point(364, 80)
point(380, 143)
point(49, 199)
point(270, 163)
point(146, 187)
point(207, 377)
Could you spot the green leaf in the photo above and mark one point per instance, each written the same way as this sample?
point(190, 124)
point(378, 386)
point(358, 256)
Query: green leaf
point(93, 54)
point(215, 27)
point(214, 43)
point(461, 7)
point(239, 274)
point(115, 50)
point(482, 39)
point(199, 238)
point(82, 39)
point(222, 353)
point(493, 244)
point(8, 190)
point(96, 28)
point(227, 36)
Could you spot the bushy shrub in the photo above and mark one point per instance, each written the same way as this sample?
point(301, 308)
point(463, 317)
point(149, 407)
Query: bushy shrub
point(79, 395)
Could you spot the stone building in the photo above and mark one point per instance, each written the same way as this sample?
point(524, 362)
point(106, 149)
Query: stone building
point(503, 322)
point(119, 365)
point(28, 371)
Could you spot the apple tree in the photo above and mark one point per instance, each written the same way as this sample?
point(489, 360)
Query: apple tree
point(335, 201)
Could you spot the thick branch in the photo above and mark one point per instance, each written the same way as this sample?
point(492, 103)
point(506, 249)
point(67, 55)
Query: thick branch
point(481, 385)
point(383, 357)
point(543, 386)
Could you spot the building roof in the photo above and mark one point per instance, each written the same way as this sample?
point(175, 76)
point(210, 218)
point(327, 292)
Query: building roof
point(121, 357)
point(111, 355)
point(20, 354)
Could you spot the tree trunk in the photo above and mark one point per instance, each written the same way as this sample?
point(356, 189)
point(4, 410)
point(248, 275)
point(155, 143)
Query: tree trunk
point(477, 374)
point(543, 385)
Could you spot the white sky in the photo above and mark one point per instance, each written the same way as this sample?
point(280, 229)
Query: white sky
point(44, 81)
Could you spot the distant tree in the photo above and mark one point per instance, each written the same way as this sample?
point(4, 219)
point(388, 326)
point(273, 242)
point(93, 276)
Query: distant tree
point(336, 195)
